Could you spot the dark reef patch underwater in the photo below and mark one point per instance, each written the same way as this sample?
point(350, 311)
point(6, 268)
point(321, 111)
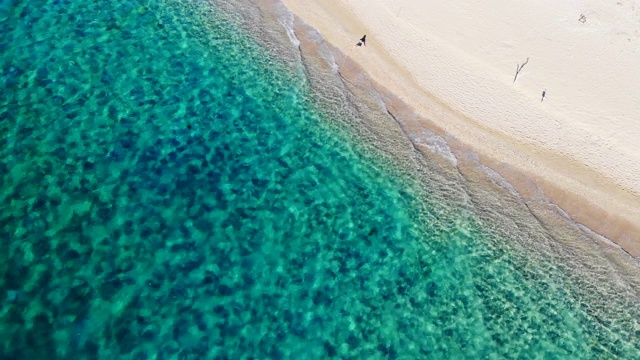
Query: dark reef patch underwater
point(172, 190)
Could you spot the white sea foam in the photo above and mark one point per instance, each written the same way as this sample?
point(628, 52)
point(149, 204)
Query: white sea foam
point(286, 20)
point(498, 180)
point(435, 144)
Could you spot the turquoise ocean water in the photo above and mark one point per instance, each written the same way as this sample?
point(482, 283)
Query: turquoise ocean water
point(173, 187)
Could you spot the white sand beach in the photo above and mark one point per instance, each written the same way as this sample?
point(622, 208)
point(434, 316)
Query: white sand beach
point(454, 62)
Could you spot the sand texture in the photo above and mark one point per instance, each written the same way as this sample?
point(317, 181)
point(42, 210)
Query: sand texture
point(454, 64)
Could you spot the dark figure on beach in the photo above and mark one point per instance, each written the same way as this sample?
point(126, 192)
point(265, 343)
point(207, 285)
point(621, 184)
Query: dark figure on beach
point(544, 93)
point(363, 40)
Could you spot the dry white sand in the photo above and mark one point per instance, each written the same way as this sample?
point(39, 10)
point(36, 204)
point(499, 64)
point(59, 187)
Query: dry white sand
point(453, 62)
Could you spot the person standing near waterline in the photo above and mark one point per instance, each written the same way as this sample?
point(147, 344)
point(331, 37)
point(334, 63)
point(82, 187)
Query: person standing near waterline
point(361, 42)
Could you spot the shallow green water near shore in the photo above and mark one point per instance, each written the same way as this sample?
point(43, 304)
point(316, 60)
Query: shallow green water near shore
point(170, 190)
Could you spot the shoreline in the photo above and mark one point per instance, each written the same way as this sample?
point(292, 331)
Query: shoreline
point(588, 195)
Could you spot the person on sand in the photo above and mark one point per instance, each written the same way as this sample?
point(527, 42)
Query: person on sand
point(361, 42)
point(544, 94)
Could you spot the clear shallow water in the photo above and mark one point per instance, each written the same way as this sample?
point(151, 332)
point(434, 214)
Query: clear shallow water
point(171, 191)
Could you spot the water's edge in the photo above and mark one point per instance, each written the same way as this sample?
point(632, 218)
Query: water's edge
point(588, 257)
point(429, 139)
